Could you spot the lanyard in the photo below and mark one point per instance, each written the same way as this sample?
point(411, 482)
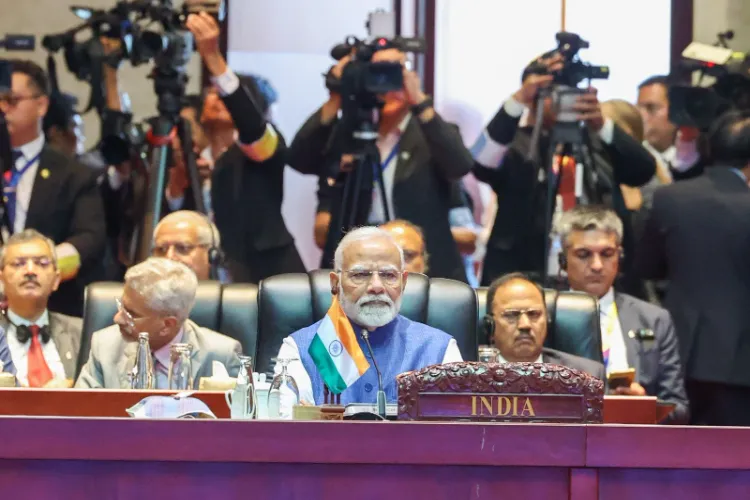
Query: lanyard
point(390, 156)
point(609, 330)
point(13, 176)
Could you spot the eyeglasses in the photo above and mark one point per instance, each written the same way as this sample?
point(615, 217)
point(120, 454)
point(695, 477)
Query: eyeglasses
point(13, 100)
point(513, 316)
point(182, 249)
point(362, 277)
point(21, 262)
point(128, 317)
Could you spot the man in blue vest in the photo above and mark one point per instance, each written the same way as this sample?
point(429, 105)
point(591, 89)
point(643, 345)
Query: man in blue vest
point(367, 284)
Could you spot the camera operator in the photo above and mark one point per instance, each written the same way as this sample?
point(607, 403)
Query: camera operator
point(63, 126)
point(676, 149)
point(697, 237)
point(247, 183)
point(51, 192)
point(421, 154)
point(501, 153)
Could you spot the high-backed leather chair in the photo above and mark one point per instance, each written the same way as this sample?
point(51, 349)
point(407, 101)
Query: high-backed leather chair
point(289, 302)
point(573, 322)
point(231, 311)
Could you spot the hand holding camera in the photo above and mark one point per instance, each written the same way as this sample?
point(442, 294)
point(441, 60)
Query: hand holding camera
point(206, 32)
point(589, 109)
point(535, 81)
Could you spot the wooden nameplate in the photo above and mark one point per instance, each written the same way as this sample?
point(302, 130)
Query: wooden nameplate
point(508, 392)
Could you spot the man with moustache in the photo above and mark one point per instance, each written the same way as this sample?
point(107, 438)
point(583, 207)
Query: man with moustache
point(421, 156)
point(368, 281)
point(516, 323)
point(157, 299)
point(44, 345)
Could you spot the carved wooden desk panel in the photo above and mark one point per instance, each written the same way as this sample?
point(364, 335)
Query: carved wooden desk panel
point(123, 458)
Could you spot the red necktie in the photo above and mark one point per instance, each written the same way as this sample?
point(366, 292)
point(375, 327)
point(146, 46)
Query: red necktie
point(567, 189)
point(39, 372)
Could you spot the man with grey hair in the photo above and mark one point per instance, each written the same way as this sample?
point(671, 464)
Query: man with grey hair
point(191, 238)
point(367, 282)
point(44, 345)
point(635, 334)
point(157, 298)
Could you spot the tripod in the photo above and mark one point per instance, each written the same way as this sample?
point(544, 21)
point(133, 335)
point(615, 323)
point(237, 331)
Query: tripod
point(568, 137)
point(170, 90)
point(351, 190)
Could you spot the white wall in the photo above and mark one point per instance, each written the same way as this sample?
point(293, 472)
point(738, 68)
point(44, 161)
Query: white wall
point(288, 42)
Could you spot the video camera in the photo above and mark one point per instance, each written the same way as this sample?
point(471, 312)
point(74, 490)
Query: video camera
point(698, 106)
point(574, 70)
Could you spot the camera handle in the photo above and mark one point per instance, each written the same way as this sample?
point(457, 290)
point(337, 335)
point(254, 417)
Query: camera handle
point(160, 137)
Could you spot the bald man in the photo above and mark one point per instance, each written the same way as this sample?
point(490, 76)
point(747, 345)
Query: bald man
point(187, 236)
point(411, 240)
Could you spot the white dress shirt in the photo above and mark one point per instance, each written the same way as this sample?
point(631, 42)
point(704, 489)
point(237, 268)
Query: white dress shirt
point(385, 147)
point(501, 359)
point(609, 322)
point(26, 182)
point(161, 361)
point(296, 369)
point(20, 352)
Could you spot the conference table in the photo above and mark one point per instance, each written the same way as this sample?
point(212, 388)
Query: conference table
point(62, 457)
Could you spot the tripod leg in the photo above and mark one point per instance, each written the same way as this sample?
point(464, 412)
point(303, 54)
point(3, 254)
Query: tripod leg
point(359, 178)
point(152, 213)
point(378, 172)
point(186, 140)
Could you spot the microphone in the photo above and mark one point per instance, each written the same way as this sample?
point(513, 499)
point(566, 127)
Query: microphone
point(381, 392)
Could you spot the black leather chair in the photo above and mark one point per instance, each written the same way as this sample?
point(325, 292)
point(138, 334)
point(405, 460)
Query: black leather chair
point(231, 311)
point(573, 322)
point(289, 302)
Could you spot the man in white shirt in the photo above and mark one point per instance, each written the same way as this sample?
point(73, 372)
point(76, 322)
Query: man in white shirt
point(516, 323)
point(368, 281)
point(44, 345)
point(157, 299)
point(635, 334)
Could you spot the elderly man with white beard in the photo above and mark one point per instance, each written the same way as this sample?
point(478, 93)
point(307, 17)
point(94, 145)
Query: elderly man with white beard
point(367, 284)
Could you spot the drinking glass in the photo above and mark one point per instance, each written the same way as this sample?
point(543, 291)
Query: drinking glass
point(283, 394)
point(180, 367)
point(488, 354)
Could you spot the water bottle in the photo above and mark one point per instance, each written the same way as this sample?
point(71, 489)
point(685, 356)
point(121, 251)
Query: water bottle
point(142, 375)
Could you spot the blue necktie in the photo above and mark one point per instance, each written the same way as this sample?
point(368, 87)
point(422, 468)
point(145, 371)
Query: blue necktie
point(10, 190)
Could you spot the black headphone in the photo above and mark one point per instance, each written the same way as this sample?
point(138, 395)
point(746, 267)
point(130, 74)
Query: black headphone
point(488, 326)
point(562, 259)
point(215, 255)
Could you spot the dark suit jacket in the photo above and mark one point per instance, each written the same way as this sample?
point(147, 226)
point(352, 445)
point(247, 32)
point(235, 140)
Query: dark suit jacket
point(246, 197)
point(698, 236)
point(517, 241)
point(589, 366)
point(431, 156)
point(658, 365)
point(66, 206)
point(65, 332)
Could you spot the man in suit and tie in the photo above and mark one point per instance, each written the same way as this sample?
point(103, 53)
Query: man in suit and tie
point(49, 191)
point(44, 345)
point(157, 298)
point(635, 334)
point(421, 156)
point(516, 322)
point(697, 237)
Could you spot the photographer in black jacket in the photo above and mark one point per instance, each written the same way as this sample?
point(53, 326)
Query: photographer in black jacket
point(517, 241)
point(421, 156)
point(247, 183)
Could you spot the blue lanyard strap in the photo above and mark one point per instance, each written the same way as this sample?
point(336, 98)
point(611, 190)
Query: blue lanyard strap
point(390, 156)
point(16, 174)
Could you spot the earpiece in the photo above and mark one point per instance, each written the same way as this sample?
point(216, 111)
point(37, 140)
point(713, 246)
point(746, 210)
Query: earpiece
point(215, 255)
point(488, 327)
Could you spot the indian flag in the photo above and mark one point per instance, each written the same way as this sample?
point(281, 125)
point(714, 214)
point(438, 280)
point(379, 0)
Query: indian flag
point(335, 351)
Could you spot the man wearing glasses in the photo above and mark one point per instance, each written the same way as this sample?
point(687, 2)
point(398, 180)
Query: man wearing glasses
point(411, 240)
point(49, 191)
point(157, 299)
point(368, 281)
point(44, 345)
point(517, 324)
point(191, 238)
